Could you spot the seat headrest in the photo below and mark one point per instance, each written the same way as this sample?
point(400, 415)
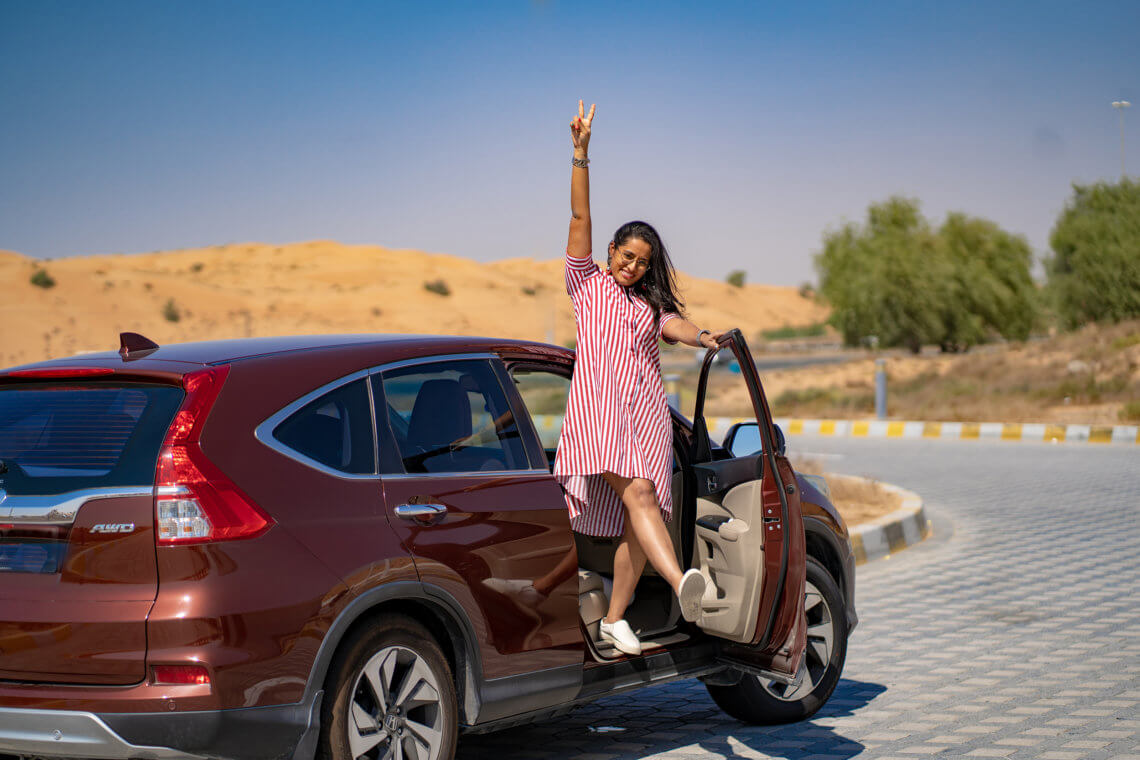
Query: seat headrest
point(441, 415)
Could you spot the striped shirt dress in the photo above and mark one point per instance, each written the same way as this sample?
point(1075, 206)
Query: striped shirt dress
point(617, 415)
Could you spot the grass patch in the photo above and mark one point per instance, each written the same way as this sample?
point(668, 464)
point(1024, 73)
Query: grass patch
point(823, 402)
point(787, 333)
point(1130, 412)
point(1126, 341)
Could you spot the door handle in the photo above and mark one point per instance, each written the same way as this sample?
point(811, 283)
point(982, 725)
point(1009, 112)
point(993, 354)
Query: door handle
point(425, 514)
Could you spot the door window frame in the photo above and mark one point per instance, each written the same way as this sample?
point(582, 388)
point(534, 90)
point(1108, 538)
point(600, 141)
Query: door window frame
point(391, 461)
point(533, 439)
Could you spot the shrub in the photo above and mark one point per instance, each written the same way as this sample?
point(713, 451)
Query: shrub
point(41, 279)
point(1130, 412)
point(529, 291)
point(807, 290)
point(170, 311)
point(196, 266)
point(439, 287)
point(1093, 275)
point(736, 278)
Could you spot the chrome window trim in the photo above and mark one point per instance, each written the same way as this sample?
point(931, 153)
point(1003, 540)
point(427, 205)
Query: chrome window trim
point(466, 474)
point(381, 368)
point(61, 509)
point(264, 431)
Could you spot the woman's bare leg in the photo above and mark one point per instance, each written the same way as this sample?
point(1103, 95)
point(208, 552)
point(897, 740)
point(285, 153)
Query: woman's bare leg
point(643, 518)
point(629, 561)
point(566, 568)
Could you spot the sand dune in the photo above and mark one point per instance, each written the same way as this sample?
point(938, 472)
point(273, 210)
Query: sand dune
point(318, 287)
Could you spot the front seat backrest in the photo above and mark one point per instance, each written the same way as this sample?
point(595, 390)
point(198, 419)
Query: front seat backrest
point(440, 417)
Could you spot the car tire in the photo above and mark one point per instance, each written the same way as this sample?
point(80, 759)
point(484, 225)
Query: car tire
point(390, 684)
point(763, 701)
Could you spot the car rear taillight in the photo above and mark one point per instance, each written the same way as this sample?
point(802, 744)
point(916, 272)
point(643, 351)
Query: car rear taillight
point(194, 500)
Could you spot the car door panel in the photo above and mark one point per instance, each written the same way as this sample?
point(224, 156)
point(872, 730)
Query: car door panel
point(497, 528)
point(480, 520)
point(749, 540)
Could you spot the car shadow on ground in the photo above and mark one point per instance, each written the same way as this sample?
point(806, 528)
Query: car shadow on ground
point(678, 717)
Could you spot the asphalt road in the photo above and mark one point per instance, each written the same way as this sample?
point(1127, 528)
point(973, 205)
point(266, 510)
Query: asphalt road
point(1013, 632)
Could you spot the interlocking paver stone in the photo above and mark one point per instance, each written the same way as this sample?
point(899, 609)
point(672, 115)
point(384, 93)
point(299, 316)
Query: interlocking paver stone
point(1012, 632)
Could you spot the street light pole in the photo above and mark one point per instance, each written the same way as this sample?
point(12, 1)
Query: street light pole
point(1120, 105)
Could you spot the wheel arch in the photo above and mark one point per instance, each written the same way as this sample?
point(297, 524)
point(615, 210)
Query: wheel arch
point(430, 606)
point(825, 547)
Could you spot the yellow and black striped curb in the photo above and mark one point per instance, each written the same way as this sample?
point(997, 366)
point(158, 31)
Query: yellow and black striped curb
point(890, 533)
point(967, 431)
point(550, 424)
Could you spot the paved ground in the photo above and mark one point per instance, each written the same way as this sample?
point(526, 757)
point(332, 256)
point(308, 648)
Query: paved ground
point(1014, 632)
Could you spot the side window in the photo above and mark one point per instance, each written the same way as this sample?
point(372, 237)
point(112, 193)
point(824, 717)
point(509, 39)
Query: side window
point(544, 394)
point(451, 417)
point(334, 430)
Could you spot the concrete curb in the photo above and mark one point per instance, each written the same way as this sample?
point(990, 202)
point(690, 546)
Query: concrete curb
point(549, 424)
point(892, 532)
point(966, 431)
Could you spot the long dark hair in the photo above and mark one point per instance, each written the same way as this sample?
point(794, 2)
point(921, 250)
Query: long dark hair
point(659, 284)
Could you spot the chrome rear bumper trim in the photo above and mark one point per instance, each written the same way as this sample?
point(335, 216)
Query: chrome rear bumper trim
point(64, 733)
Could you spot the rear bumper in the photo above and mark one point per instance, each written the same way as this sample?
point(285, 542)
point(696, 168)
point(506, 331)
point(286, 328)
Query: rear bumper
point(64, 733)
point(287, 732)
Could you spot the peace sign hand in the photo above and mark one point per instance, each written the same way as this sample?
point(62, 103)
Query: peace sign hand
point(580, 128)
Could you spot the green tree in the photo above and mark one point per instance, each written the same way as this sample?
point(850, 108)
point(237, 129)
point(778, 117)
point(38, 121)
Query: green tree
point(896, 278)
point(990, 290)
point(884, 278)
point(735, 278)
point(1094, 274)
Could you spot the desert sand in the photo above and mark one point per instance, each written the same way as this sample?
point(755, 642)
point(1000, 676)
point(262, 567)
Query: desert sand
point(319, 287)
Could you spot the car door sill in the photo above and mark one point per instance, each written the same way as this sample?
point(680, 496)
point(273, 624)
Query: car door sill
point(614, 677)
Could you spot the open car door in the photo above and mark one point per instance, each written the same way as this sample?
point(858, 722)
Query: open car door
point(749, 538)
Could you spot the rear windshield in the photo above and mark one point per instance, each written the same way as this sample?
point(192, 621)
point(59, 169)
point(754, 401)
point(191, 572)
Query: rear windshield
point(56, 438)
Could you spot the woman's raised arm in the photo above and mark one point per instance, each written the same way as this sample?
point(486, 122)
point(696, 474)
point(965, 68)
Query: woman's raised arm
point(579, 244)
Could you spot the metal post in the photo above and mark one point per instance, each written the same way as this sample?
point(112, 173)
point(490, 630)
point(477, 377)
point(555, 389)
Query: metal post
point(881, 389)
point(673, 390)
point(1120, 105)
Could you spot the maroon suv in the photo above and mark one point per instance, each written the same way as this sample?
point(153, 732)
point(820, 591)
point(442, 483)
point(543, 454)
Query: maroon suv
point(353, 546)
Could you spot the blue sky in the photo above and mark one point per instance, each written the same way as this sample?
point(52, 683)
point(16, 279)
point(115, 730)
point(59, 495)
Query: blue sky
point(742, 130)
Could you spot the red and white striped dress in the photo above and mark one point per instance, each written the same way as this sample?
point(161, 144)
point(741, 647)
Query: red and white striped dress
point(617, 416)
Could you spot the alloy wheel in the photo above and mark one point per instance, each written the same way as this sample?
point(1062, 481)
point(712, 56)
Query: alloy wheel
point(395, 711)
point(820, 645)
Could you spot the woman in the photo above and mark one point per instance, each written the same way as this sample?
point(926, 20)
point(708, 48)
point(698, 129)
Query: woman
point(615, 452)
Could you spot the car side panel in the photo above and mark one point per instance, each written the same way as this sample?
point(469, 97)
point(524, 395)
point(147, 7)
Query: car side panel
point(507, 526)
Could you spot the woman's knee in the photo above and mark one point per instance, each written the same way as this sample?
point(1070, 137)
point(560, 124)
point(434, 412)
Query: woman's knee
point(640, 494)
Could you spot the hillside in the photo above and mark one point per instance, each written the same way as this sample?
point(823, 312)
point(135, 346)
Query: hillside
point(319, 287)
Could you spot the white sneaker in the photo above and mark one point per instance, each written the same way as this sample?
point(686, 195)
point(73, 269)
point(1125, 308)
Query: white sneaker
point(621, 636)
point(690, 593)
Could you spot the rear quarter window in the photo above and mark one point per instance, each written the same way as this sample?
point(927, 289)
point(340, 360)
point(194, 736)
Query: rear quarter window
point(56, 438)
